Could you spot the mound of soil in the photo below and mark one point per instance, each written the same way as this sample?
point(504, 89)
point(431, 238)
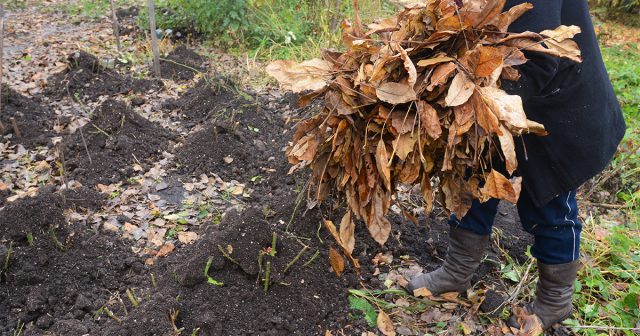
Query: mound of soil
point(33, 119)
point(87, 79)
point(59, 291)
point(209, 99)
point(239, 143)
point(116, 138)
point(304, 301)
point(181, 64)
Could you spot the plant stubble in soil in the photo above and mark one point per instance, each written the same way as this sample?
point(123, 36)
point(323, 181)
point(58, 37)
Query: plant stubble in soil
point(32, 118)
point(116, 139)
point(181, 64)
point(87, 79)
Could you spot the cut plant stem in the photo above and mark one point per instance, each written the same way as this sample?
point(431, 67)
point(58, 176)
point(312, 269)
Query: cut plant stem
point(110, 314)
point(273, 244)
point(16, 129)
point(153, 281)
point(293, 261)
point(226, 255)
point(267, 276)
point(132, 298)
point(313, 257)
point(54, 238)
point(5, 263)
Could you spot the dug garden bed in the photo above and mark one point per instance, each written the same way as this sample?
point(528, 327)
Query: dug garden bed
point(32, 118)
point(67, 276)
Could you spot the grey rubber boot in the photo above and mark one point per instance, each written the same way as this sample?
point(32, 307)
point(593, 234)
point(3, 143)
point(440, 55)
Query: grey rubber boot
point(465, 252)
point(553, 302)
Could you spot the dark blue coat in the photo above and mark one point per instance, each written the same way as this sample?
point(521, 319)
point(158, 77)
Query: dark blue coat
point(575, 102)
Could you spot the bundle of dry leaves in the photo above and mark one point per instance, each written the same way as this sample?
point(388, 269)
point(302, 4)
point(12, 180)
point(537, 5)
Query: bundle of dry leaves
point(416, 98)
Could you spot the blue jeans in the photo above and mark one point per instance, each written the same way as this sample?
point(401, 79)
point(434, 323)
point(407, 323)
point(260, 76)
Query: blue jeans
point(555, 226)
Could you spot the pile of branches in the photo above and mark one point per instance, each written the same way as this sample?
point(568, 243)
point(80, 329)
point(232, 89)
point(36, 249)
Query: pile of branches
point(416, 99)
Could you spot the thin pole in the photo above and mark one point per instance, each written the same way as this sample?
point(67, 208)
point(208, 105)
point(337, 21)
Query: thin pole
point(116, 28)
point(1, 64)
point(154, 38)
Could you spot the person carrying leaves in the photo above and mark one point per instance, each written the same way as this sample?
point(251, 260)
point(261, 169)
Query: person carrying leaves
point(577, 105)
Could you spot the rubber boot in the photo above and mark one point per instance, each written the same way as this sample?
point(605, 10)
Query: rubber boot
point(465, 252)
point(553, 302)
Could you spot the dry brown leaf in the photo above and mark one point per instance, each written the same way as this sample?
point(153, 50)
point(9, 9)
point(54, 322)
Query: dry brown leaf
point(460, 90)
point(508, 147)
point(435, 60)
point(429, 119)
point(396, 93)
point(422, 292)
point(336, 260)
point(382, 163)
point(385, 325)
point(441, 74)
point(167, 248)
point(378, 225)
point(499, 187)
point(347, 232)
point(514, 13)
point(312, 75)
point(508, 108)
point(404, 144)
point(490, 60)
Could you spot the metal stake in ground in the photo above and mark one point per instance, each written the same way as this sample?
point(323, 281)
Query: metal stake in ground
point(116, 28)
point(1, 58)
point(154, 38)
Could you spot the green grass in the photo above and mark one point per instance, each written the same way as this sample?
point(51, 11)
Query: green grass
point(608, 287)
point(623, 65)
point(264, 29)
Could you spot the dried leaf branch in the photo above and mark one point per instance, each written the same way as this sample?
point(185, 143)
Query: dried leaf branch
point(416, 99)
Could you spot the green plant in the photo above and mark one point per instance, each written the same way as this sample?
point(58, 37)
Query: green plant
point(209, 278)
point(623, 65)
point(92, 9)
point(607, 288)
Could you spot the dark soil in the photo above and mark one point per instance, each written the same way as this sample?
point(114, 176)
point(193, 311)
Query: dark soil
point(247, 134)
point(181, 64)
point(305, 301)
point(54, 289)
point(32, 118)
point(116, 138)
point(87, 79)
point(209, 99)
point(62, 292)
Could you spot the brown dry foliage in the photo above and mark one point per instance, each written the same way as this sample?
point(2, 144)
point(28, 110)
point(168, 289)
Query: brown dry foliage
point(416, 99)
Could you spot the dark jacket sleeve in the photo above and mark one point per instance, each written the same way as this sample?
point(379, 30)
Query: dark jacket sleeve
point(540, 69)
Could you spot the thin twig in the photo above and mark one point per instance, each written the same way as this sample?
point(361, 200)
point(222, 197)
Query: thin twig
point(226, 255)
point(85, 145)
point(313, 257)
point(293, 261)
point(16, 129)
